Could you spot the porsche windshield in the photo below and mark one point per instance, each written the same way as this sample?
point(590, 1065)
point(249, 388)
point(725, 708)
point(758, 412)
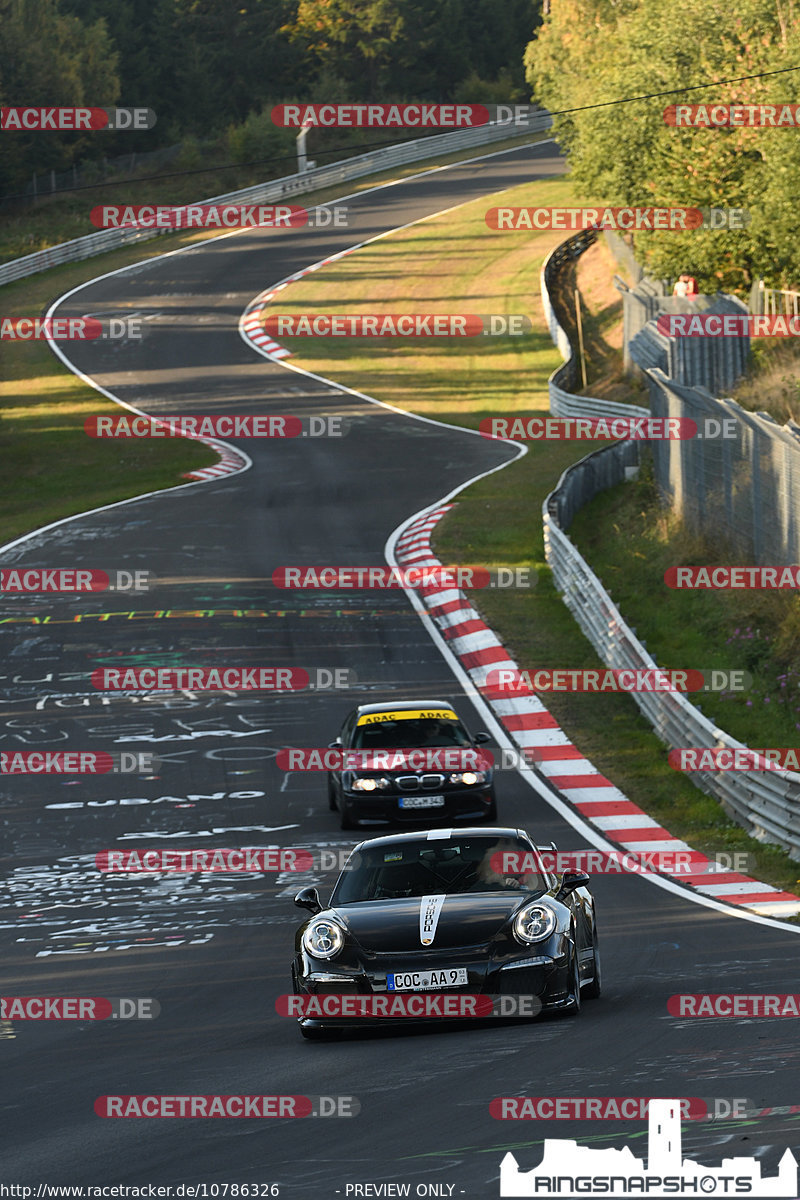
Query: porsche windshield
point(412, 868)
point(408, 734)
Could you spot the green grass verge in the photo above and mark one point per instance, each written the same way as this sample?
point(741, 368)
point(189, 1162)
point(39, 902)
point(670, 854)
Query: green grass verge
point(497, 521)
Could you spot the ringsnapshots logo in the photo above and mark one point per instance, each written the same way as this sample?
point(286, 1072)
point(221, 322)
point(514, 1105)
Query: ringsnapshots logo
point(396, 325)
point(620, 220)
point(220, 425)
point(732, 116)
point(16, 580)
point(567, 1169)
point(217, 216)
point(222, 679)
point(75, 120)
point(69, 329)
point(431, 578)
point(78, 1008)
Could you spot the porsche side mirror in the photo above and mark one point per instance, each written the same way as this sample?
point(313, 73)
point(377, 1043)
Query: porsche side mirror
point(482, 737)
point(309, 898)
point(569, 881)
point(334, 744)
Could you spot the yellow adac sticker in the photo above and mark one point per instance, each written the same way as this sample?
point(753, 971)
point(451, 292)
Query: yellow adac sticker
point(408, 714)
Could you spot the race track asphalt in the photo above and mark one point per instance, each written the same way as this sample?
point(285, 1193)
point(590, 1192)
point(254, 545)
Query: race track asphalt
point(215, 950)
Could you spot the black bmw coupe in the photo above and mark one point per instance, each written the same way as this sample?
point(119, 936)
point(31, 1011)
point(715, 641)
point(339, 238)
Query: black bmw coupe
point(452, 911)
point(419, 760)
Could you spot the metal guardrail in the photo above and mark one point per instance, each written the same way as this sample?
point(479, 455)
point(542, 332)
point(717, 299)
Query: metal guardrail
point(278, 189)
point(563, 403)
point(765, 803)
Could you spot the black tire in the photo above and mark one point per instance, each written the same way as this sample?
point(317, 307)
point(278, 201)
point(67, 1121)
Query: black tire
point(593, 990)
point(491, 815)
point(331, 797)
point(346, 821)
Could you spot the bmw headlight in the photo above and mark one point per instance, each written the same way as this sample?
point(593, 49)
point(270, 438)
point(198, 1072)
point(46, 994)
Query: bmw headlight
point(470, 778)
point(323, 939)
point(369, 783)
point(534, 923)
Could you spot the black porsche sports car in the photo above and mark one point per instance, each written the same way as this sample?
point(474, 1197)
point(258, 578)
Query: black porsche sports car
point(427, 764)
point(471, 911)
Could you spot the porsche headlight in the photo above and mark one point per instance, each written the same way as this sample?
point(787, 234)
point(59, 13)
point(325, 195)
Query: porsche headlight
point(534, 923)
point(470, 778)
point(369, 783)
point(323, 939)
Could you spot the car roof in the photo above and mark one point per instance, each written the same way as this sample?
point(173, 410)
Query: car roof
point(403, 706)
point(444, 835)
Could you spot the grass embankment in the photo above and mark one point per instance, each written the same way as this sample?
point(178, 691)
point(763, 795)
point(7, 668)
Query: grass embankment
point(497, 521)
point(54, 469)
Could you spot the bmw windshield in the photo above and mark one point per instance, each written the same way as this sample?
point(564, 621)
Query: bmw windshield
point(407, 734)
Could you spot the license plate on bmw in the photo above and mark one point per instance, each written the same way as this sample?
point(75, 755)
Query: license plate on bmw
point(420, 981)
point(421, 801)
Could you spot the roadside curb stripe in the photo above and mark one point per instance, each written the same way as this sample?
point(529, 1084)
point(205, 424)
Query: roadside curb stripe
point(556, 759)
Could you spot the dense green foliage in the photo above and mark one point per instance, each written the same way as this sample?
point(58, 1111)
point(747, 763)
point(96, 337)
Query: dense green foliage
point(215, 67)
point(589, 51)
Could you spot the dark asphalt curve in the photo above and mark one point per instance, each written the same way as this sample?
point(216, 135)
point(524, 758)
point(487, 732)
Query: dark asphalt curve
point(214, 950)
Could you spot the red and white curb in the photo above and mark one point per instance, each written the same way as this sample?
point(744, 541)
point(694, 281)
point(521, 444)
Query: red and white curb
point(230, 461)
point(252, 321)
point(537, 732)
